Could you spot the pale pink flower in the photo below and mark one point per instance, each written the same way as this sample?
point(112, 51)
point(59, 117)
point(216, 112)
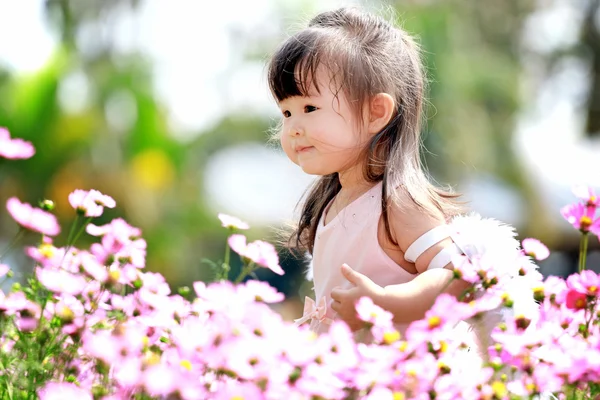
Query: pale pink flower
point(27, 312)
point(14, 148)
point(259, 252)
point(49, 256)
point(90, 203)
point(371, 313)
point(227, 221)
point(160, 380)
point(103, 345)
point(260, 291)
point(61, 281)
point(31, 218)
point(93, 267)
point(238, 390)
point(536, 249)
point(118, 227)
point(63, 391)
point(128, 372)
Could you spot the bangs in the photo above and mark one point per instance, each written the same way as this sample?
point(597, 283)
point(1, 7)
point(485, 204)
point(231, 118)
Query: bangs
point(293, 68)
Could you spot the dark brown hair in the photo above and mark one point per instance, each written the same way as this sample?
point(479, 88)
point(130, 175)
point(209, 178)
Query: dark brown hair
point(365, 55)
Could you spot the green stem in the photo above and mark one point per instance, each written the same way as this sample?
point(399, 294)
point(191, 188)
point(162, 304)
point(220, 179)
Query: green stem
point(14, 241)
point(73, 237)
point(583, 245)
point(72, 230)
point(226, 266)
point(81, 229)
point(245, 271)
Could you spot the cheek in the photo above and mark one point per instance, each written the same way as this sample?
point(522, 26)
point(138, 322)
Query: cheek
point(287, 147)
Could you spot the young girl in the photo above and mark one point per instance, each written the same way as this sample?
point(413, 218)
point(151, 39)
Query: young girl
point(350, 89)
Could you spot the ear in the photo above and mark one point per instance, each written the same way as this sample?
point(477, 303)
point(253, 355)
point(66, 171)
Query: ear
point(381, 110)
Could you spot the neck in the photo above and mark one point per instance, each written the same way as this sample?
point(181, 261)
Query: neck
point(353, 181)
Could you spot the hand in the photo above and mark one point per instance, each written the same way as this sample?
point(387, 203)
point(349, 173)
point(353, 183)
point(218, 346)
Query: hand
point(344, 300)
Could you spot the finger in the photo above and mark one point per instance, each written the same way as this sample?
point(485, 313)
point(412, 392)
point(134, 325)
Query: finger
point(337, 293)
point(335, 306)
point(351, 275)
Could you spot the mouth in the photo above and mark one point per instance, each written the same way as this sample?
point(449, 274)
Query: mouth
point(303, 149)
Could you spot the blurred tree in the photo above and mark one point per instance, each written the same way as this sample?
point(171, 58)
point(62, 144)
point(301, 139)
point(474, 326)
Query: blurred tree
point(591, 43)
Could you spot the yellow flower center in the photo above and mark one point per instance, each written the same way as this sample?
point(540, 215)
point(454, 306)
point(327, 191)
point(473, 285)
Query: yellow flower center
point(585, 222)
point(398, 396)
point(65, 314)
point(443, 346)
point(237, 398)
point(499, 389)
point(434, 322)
point(592, 289)
point(186, 364)
point(402, 346)
point(114, 275)
point(47, 250)
point(151, 358)
point(391, 337)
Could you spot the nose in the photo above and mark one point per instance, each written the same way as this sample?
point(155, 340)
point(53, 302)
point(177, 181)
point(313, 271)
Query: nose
point(295, 129)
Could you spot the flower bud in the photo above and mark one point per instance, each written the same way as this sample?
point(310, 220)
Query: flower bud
point(47, 205)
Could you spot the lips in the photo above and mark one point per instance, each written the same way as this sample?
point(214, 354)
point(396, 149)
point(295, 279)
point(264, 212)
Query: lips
point(303, 149)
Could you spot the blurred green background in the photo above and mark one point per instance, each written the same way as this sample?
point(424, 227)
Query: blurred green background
point(165, 107)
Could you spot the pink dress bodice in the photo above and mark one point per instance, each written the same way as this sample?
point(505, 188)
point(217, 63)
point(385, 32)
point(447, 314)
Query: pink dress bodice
point(351, 238)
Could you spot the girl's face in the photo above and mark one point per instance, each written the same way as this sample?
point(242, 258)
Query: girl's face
point(320, 132)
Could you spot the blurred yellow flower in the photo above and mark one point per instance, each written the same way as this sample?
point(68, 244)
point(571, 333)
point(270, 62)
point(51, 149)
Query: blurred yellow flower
point(152, 169)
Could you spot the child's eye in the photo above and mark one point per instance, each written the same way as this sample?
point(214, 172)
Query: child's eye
point(309, 109)
point(286, 113)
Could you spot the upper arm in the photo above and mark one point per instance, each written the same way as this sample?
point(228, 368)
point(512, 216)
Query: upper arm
point(409, 223)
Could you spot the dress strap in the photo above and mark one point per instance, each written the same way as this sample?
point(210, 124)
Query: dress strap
point(425, 241)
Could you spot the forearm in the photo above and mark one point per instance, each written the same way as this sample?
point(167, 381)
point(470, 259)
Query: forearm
point(409, 301)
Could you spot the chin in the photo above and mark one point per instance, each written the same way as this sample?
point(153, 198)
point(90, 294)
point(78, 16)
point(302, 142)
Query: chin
point(313, 170)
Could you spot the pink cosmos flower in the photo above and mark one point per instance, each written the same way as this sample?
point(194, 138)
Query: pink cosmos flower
point(93, 267)
point(27, 312)
point(536, 249)
point(61, 281)
point(582, 217)
point(230, 222)
point(576, 300)
point(587, 194)
point(118, 228)
point(586, 282)
point(370, 312)
point(4, 269)
point(14, 148)
point(259, 291)
point(90, 203)
point(31, 218)
point(262, 253)
point(62, 391)
point(160, 380)
point(128, 372)
point(238, 390)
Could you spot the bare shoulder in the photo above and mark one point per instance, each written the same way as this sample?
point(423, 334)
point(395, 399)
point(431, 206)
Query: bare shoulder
point(409, 221)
